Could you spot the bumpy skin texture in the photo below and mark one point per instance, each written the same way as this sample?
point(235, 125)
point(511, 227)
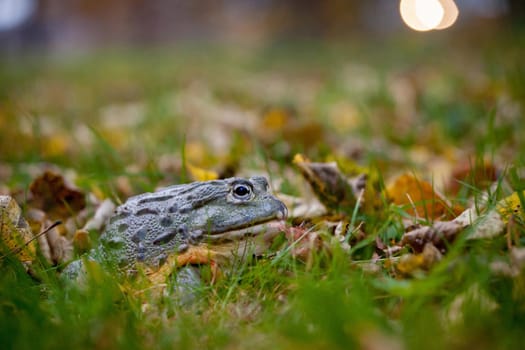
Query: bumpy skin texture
point(151, 226)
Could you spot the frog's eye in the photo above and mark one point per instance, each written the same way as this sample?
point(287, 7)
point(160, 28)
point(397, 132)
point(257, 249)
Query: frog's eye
point(242, 191)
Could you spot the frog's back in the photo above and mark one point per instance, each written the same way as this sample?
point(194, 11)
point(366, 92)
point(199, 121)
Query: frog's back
point(149, 226)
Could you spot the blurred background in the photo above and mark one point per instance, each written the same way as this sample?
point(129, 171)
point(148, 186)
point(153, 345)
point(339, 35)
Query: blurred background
point(80, 25)
point(388, 82)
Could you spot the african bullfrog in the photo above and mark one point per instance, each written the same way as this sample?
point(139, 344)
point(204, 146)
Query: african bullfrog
point(180, 225)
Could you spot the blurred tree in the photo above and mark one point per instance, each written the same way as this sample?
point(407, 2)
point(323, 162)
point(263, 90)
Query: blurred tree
point(517, 10)
point(312, 18)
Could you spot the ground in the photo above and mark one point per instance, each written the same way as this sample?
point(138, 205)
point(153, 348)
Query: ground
point(124, 122)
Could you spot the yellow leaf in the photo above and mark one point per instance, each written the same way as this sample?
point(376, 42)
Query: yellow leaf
point(276, 118)
point(199, 174)
point(511, 205)
point(56, 145)
point(412, 263)
point(15, 231)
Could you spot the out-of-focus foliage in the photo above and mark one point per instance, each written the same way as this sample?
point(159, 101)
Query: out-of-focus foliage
point(406, 204)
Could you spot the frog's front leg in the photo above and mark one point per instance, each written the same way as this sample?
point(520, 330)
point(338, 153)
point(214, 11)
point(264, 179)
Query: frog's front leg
point(187, 284)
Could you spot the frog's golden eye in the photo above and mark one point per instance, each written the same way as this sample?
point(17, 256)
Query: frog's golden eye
point(242, 191)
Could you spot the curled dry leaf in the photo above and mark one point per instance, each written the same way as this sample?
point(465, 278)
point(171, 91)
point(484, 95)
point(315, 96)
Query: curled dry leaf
point(440, 234)
point(507, 212)
point(15, 232)
point(419, 198)
point(489, 225)
point(332, 188)
point(54, 246)
point(54, 195)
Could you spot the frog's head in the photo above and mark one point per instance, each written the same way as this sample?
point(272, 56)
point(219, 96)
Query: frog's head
point(230, 209)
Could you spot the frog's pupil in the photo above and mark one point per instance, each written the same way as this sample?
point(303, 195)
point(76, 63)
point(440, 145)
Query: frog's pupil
point(241, 190)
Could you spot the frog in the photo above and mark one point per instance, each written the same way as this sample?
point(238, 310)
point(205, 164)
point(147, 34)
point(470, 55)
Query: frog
point(186, 225)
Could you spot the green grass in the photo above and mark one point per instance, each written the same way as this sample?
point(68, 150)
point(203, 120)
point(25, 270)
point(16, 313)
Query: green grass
point(468, 99)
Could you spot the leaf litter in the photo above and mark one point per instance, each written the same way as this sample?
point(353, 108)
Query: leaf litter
point(406, 223)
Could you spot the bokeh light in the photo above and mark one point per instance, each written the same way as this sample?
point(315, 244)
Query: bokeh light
point(425, 15)
point(450, 15)
point(14, 12)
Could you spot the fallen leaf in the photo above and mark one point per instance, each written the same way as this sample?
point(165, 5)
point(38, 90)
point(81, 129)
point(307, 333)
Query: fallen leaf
point(281, 127)
point(477, 175)
point(15, 232)
point(493, 222)
point(200, 174)
point(304, 243)
point(487, 226)
point(332, 188)
point(275, 118)
point(512, 206)
point(440, 234)
point(54, 195)
point(419, 198)
point(409, 264)
point(81, 241)
point(53, 245)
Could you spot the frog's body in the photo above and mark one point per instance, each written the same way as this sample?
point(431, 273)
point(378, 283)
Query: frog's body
point(185, 224)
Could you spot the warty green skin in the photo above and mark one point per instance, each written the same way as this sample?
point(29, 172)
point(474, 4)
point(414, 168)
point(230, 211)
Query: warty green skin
point(149, 227)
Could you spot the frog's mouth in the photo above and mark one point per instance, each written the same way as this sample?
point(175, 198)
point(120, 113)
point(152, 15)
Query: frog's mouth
point(267, 230)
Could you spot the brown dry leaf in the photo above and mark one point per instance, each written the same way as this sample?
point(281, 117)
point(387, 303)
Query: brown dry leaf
point(332, 188)
point(487, 226)
point(419, 198)
point(478, 175)
point(15, 232)
point(304, 243)
point(54, 195)
point(440, 234)
point(508, 211)
point(53, 245)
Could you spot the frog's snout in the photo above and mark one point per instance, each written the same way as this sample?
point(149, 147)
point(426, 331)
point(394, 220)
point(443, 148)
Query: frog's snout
point(282, 210)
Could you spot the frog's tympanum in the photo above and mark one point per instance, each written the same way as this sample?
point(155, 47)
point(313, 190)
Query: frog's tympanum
point(186, 224)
